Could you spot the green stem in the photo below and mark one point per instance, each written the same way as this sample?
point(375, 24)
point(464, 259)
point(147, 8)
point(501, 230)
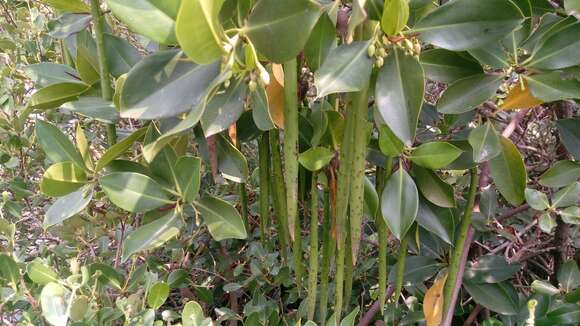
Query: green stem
point(327, 253)
point(264, 170)
point(313, 263)
point(348, 271)
point(278, 193)
point(401, 261)
point(382, 230)
point(291, 142)
point(459, 245)
point(104, 72)
point(244, 205)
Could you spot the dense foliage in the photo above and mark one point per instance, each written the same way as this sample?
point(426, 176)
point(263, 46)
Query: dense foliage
point(277, 162)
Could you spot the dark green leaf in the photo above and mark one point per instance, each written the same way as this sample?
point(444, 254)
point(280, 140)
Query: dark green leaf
point(45, 74)
point(559, 50)
point(134, 192)
point(222, 219)
point(399, 94)
point(261, 109)
point(468, 24)
point(9, 270)
point(447, 66)
point(346, 69)
point(399, 203)
point(490, 269)
point(567, 196)
point(569, 275)
point(152, 235)
point(437, 220)
point(418, 269)
point(164, 85)
point(67, 206)
point(322, 40)
point(224, 109)
point(270, 21)
point(56, 145)
point(433, 188)
point(188, 174)
point(553, 86)
point(485, 142)
point(231, 162)
point(561, 174)
point(570, 133)
point(509, 173)
point(537, 200)
point(498, 297)
point(94, 107)
point(566, 314)
point(119, 148)
point(154, 19)
point(435, 155)
point(121, 55)
point(62, 178)
point(466, 94)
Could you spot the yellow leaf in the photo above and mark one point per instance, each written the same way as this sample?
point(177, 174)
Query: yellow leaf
point(519, 98)
point(433, 303)
point(275, 93)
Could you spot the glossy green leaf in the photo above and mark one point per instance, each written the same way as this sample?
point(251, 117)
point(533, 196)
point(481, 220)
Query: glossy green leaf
point(224, 108)
point(55, 95)
point(165, 84)
point(9, 270)
point(466, 94)
point(437, 220)
point(537, 199)
point(571, 215)
point(154, 19)
point(546, 222)
point(371, 198)
point(553, 86)
point(40, 273)
point(67, 206)
point(108, 276)
point(498, 297)
point(435, 155)
point(570, 134)
point(74, 6)
point(56, 145)
point(493, 55)
point(467, 24)
point(485, 142)
point(222, 219)
point(448, 66)
point(399, 94)
point(567, 196)
point(395, 16)
point(490, 269)
point(134, 192)
point(346, 69)
point(509, 172)
point(62, 178)
point(68, 24)
point(322, 40)
point(231, 162)
point(94, 107)
point(54, 304)
point(188, 174)
point(46, 74)
point(559, 50)
point(268, 25)
point(569, 275)
point(260, 110)
point(389, 144)
point(157, 294)
point(418, 269)
point(152, 235)
point(315, 158)
point(121, 55)
point(198, 30)
point(561, 174)
point(119, 148)
point(566, 314)
point(433, 188)
point(399, 203)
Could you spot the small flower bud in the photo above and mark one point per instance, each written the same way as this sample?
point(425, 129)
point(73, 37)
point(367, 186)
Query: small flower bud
point(382, 52)
point(252, 85)
point(379, 62)
point(371, 50)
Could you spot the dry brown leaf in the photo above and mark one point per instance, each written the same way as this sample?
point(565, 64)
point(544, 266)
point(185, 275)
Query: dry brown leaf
point(275, 93)
point(278, 73)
